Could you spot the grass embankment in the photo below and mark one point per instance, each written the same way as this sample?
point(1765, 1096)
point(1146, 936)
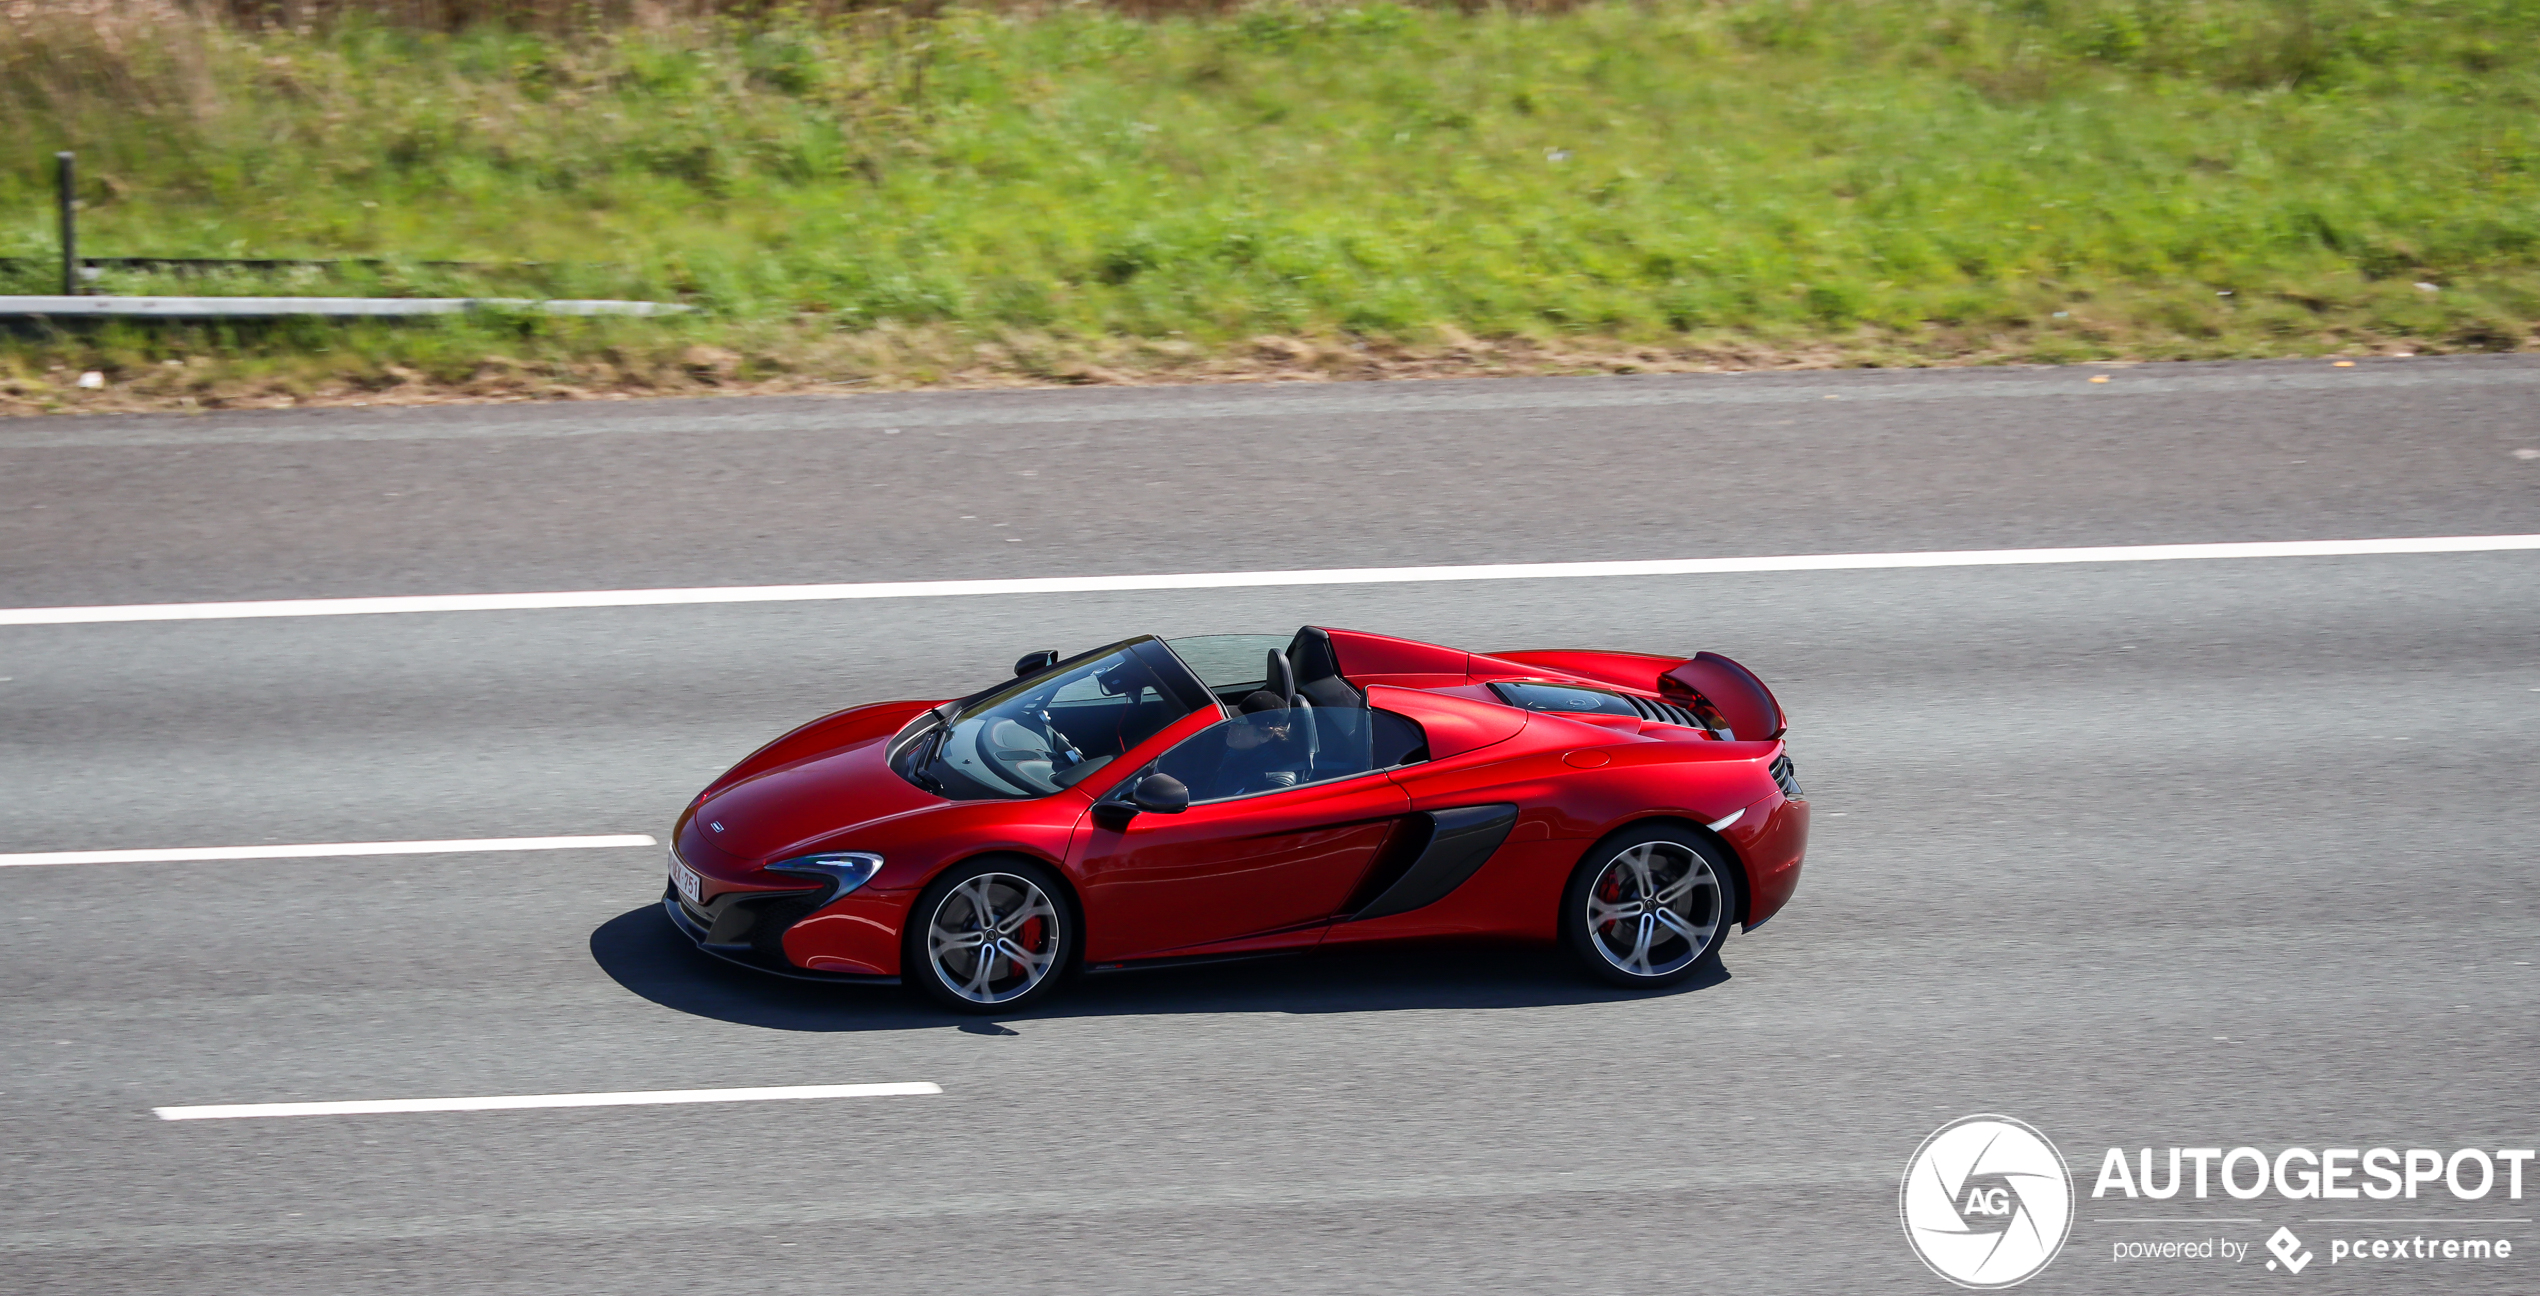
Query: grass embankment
point(1072, 194)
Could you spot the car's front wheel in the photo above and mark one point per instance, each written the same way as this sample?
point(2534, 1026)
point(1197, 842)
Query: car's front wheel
point(989, 936)
point(1649, 907)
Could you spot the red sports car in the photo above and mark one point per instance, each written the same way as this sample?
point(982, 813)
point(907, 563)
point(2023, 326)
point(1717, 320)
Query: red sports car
point(1157, 801)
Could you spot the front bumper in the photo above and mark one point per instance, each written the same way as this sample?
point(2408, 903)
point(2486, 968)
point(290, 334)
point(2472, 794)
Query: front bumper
point(749, 929)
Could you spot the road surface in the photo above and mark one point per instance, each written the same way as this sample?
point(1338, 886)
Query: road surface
point(2224, 852)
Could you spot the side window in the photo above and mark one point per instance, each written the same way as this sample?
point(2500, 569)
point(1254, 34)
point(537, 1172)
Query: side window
point(1271, 751)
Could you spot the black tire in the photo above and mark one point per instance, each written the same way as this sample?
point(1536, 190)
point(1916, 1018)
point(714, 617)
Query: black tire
point(1605, 932)
point(1041, 936)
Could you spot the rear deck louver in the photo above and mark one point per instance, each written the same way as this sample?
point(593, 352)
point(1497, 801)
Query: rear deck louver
point(1664, 712)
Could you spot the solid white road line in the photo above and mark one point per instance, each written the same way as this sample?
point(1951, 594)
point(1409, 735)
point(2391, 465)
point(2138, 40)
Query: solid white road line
point(323, 850)
point(1246, 580)
point(514, 1102)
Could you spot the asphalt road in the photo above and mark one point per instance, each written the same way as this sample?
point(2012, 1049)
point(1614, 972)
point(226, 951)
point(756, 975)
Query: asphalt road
point(2206, 853)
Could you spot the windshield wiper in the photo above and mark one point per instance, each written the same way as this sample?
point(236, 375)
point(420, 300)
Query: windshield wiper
point(924, 755)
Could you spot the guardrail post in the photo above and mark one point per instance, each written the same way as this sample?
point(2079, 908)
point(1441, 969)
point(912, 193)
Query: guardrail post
point(67, 192)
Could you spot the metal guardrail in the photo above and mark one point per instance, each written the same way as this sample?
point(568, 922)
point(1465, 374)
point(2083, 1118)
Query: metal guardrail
point(74, 303)
point(90, 267)
point(62, 308)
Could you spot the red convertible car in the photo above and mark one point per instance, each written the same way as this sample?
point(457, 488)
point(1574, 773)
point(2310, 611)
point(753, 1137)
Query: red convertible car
point(1158, 801)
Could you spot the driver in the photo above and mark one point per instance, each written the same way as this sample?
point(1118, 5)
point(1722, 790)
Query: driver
point(1262, 753)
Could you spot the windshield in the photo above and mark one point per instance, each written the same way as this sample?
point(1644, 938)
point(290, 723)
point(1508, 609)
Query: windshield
point(1046, 732)
point(1231, 665)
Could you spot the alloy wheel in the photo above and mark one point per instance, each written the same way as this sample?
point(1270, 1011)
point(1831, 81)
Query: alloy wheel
point(993, 938)
point(1654, 909)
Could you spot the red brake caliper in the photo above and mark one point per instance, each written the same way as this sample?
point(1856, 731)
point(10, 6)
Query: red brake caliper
point(1610, 890)
point(1028, 936)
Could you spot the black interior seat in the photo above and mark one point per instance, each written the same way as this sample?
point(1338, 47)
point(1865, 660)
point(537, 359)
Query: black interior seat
point(1317, 670)
point(1278, 687)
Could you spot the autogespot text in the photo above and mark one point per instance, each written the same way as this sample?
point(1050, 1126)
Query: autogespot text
point(2330, 1174)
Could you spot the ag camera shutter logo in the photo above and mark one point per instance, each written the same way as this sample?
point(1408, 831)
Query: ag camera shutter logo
point(1987, 1202)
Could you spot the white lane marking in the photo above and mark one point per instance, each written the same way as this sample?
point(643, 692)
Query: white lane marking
point(322, 850)
point(515, 1102)
point(1255, 579)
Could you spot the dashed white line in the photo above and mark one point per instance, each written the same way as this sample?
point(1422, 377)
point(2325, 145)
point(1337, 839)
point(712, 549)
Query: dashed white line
point(517, 1102)
point(1256, 579)
point(322, 850)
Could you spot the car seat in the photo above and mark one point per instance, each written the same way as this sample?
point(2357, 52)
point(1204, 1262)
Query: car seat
point(1278, 690)
point(1316, 671)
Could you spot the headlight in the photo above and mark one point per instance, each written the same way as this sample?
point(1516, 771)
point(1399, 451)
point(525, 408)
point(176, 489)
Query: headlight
point(844, 871)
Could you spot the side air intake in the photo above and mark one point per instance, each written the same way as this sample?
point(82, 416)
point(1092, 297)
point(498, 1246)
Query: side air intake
point(1460, 840)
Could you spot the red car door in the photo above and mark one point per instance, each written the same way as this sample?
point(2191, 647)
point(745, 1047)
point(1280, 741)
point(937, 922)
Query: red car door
point(1230, 869)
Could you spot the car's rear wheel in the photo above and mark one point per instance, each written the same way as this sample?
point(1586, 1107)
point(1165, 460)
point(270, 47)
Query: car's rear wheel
point(990, 936)
point(1649, 907)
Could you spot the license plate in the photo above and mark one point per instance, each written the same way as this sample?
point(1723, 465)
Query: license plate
point(685, 878)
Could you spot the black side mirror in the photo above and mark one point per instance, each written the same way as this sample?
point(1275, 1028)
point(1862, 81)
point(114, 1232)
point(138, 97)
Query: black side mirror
point(1161, 794)
point(1153, 793)
point(1034, 663)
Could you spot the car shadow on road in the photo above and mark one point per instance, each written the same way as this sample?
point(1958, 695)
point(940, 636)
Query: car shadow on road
point(644, 953)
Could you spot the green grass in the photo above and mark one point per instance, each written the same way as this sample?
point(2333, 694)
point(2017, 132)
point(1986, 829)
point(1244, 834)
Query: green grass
point(1882, 181)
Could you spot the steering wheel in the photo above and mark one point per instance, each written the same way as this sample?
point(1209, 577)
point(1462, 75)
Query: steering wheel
point(1013, 744)
point(1012, 749)
point(1008, 741)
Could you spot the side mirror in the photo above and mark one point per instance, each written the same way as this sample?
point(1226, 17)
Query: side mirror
point(1154, 794)
point(1034, 663)
point(1161, 794)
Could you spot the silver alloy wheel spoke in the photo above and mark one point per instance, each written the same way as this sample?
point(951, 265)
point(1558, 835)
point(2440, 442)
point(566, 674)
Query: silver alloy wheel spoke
point(1035, 905)
point(1601, 914)
point(1033, 963)
point(1682, 887)
point(977, 944)
point(1638, 959)
point(1637, 860)
point(1672, 921)
point(983, 903)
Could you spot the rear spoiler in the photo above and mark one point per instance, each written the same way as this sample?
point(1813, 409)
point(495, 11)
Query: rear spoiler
point(1733, 691)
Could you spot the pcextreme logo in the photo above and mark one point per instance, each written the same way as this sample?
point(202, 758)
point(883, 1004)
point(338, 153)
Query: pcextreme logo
point(2287, 1250)
point(1987, 1201)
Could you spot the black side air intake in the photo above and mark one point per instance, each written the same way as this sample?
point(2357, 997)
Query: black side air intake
point(1460, 840)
